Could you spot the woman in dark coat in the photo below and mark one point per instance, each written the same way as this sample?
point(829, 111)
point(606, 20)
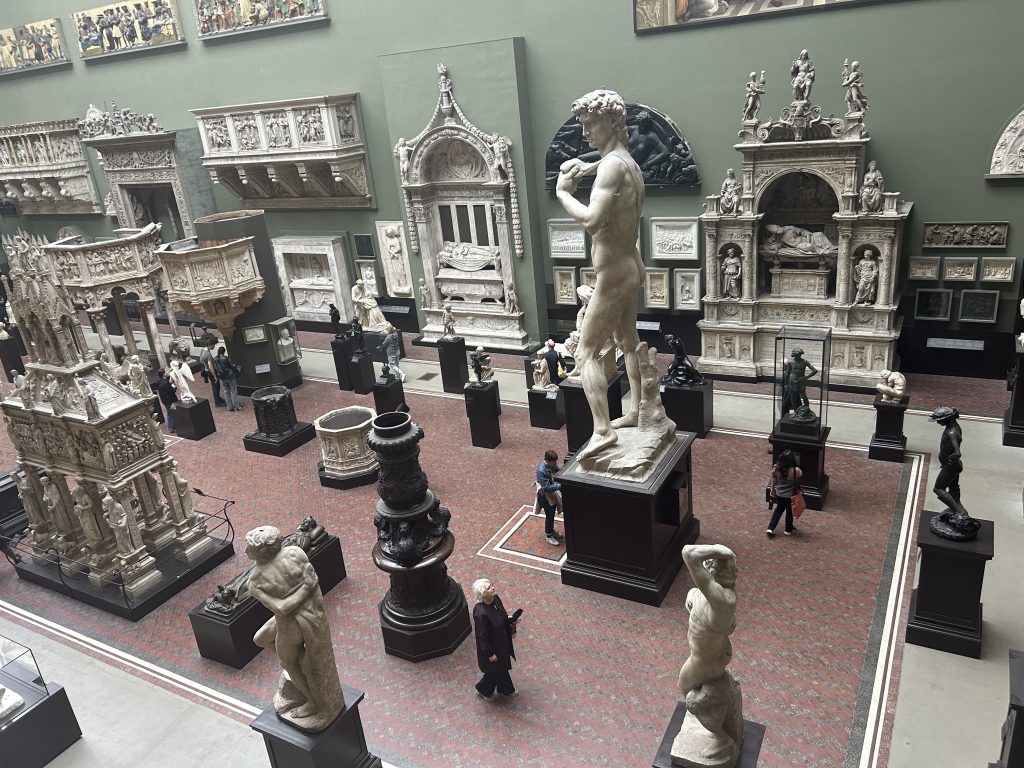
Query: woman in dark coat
point(494, 651)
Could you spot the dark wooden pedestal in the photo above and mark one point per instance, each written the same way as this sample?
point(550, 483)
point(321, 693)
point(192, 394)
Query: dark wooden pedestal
point(888, 443)
point(547, 409)
point(360, 373)
point(750, 749)
point(228, 639)
point(279, 445)
point(342, 350)
point(1013, 417)
point(691, 408)
point(624, 539)
point(451, 353)
point(341, 745)
point(483, 407)
point(945, 608)
point(41, 729)
point(388, 394)
point(579, 421)
point(10, 358)
point(193, 421)
point(810, 456)
point(1012, 753)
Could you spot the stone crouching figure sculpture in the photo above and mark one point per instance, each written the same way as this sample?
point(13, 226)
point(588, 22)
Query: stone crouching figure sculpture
point(309, 694)
point(681, 372)
point(712, 731)
point(953, 523)
point(891, 386)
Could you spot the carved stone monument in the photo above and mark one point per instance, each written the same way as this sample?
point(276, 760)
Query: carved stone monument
point(347, 460)
point(313, 276)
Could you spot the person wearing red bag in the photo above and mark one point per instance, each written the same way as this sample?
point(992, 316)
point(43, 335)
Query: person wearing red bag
point(785, 475)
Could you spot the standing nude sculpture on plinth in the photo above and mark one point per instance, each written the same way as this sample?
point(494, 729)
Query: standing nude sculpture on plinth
point(613, 221)
point(712, 731)
point(309, 694)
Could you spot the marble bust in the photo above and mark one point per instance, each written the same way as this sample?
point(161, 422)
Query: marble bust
point(309, 694)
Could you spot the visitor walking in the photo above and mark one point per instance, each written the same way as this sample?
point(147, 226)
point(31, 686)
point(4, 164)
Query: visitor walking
point(494, 651)
point(165, 389)
point(227, 372)
point(549, 496)
point(209, 372)
point(785, 475)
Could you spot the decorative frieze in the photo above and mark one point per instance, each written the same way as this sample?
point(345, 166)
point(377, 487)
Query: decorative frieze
point(43, 169)
point(295, 153)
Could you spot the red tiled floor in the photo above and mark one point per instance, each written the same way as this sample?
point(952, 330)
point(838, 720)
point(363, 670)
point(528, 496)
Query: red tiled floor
point(597, 674)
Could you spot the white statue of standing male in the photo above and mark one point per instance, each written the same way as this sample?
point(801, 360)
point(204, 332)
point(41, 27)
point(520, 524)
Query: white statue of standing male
point(613, 221)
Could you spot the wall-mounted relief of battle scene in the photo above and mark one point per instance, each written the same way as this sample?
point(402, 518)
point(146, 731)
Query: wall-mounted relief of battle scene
point(565, 285)
point(116, 28)
point(687, 288)
point(978, 306)
point(675, 238)
point(653, 140)
point(659, 15)
point(32, 45)
point(923, 267)
point(998, 269)
point(215, 18)
point(965, 234)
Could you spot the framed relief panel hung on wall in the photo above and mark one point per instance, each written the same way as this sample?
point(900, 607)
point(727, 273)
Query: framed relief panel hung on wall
point(115, 29)
point(924, 268)
point(978, 306)
point(998, 269)
point(960, 268)
point(675, 238)
point(254, 334)
point(657, 289)
point(567, 239)
point(286, 340)
point(588, 276)
point(34, 45)
point(932, 304)
point(215, 18)
point(366, 270)
point(565, 285)
point(687, 288)
point(965, 234)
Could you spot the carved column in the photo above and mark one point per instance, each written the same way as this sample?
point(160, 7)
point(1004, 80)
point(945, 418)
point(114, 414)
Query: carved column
point(99, 318)
point(155, 530)
point(171, 319)
point(148, 310)
point(885, 264)
point(126, 328)
point(711, 259)
point(749, 267)
point(843, 265)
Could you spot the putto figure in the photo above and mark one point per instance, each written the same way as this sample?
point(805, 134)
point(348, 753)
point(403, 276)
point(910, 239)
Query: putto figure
point(447, 323)
point(613, 221)
point(309, 693)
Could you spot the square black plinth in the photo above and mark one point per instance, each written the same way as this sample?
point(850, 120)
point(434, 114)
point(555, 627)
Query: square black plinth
point(547, 409)
point(360, 373)
point(228, 639)
point(888, 443)
point(750, 749)
point(810, 457)
point(483, 407)
point(279, 445)
point(691, 408)
point(1012, 753)
point(624, 539)
point(579, 421)
point(41, 729)
point(193, 421)
point(945, 608)
point(342, 350)
point(451, 353)
point(10, 357)
point(341, 745)
point(1013, 417)
point(388, 394)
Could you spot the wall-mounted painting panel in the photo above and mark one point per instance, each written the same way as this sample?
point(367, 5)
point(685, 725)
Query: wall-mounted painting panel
point(35, 45)
point(588, 276)
point(998, 269)
point(657, 289)
point(978, 306)
point(216, 18)
point(932, 304)
point(115, 29)
point(960, 268)
point(965, 234)
point(567, 239)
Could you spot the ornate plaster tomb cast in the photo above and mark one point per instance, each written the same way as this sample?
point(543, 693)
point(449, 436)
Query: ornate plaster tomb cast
point(803, 233)
point(295, 153)
point(313, 276)
point(462, 211)
point(394, 252)
point(629, 447)
point(43, 169)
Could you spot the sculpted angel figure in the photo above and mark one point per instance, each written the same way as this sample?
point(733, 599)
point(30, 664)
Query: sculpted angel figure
point(180, 377)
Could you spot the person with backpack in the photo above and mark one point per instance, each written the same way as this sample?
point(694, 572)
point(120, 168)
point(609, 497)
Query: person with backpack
point(227, 371)
point(165, 389)
point(785, 475)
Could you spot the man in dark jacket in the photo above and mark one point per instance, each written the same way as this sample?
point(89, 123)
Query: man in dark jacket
point(494, 652)
point(553, 360)
point(168, 397)
point(548, 497)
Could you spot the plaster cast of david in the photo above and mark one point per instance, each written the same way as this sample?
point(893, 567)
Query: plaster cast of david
point(394, 257)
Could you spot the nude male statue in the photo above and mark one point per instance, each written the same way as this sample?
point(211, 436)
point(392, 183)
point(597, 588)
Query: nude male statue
point(712, 608)
point(613, 221)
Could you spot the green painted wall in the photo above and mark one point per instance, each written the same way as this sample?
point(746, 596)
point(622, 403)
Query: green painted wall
point(941, 76)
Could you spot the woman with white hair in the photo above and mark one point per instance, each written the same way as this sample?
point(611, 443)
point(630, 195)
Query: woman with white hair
point(494, 651)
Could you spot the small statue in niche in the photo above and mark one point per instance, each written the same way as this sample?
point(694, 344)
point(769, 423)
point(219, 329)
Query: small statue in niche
point(55, 394)
point(392, 352)
point(953, 523)
point(732, 191)
point(448, 323)
point(480, 362)
point(871, 189)
point(755, 89)
point(891, 385)
point(732, 274)
point(865, 272)
point(853, 82)
point(357, 334)
point(542, 373)
point(681, 372)
point(802, 73)
point(22, 388)
point(426, 300)
point(796, 373)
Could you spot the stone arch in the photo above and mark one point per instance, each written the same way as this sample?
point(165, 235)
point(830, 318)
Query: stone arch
point(766, 191)
point(442, 144)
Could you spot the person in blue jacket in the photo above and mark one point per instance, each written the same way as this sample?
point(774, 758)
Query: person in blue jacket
point(549, 495)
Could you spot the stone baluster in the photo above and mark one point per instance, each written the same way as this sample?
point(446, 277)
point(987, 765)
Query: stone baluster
point(885, 268)
point(749, 268)
point(126, 328)
point(711, 260)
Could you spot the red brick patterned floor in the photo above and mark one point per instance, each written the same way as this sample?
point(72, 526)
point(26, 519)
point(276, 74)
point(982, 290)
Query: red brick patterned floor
point(597, 674)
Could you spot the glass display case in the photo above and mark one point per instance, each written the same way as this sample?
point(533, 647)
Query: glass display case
point(802, 356)
point(21, 683)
